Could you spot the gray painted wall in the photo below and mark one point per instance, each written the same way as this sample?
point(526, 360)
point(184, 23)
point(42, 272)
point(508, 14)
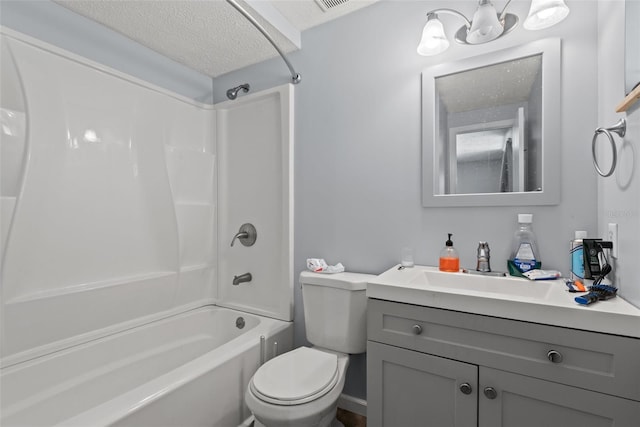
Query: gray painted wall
point(619, 195)
point(358, 149)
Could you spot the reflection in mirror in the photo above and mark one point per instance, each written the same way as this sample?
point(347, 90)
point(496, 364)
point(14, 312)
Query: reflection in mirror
point(486, 121)
point(510, 91)
point(485, 161)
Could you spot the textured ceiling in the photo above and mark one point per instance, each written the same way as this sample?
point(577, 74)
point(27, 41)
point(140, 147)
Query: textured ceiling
point(499, 84)
point(209, 36)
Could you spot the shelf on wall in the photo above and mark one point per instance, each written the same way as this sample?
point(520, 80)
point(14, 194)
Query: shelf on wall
point(629, 100)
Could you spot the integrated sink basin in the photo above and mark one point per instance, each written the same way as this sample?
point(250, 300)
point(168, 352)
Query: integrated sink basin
point(541, 301)
point(477, 284)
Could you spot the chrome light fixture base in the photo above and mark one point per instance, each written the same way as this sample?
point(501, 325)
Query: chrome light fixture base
point(509, 22)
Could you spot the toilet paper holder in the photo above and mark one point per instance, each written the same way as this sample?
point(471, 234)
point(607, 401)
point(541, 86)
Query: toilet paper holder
point(619, 128)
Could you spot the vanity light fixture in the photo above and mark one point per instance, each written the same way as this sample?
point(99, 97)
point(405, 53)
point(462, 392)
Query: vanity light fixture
point(433, 39)
point(545, 13)
point(487, 24)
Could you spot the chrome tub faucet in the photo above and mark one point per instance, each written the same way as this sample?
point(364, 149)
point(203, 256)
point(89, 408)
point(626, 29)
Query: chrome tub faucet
point(247, 235)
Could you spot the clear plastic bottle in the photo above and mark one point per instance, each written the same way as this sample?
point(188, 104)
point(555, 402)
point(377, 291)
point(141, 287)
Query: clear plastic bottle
point(577, 256)
point(449, 259)
point(525, 255)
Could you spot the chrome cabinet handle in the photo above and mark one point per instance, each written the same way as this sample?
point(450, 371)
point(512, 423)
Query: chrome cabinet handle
point(490, 392)
point(554, 356)
point(417, 329)
point(466, 388)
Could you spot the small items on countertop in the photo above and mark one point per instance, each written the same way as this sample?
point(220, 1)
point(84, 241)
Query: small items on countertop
point(406, 256)
point(577, 257)
point(542, 274)
point(597, 293)
point(449, 258)
point(575, 286)
point(524, 255)
point(319, 265)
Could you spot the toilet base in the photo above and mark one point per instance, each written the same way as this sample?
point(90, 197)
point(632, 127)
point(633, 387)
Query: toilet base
point(326, 422)
point(317, 413)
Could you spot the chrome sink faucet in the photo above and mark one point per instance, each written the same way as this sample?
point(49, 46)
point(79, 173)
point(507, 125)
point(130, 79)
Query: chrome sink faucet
point(483, 258)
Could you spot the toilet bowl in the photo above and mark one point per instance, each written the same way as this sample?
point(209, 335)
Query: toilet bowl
point(301, 388)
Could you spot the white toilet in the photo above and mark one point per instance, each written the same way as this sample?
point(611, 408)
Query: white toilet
point(301, 388)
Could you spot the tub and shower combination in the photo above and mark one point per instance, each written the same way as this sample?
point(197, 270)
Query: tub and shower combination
point(191, 369)
point(118, 302)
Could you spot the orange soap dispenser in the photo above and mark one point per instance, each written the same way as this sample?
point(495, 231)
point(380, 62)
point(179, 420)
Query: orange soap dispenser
point(449, 259)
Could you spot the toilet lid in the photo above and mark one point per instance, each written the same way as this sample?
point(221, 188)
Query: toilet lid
point(296, 377)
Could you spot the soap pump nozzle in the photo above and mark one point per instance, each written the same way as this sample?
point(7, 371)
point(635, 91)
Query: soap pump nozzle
point(449, 242)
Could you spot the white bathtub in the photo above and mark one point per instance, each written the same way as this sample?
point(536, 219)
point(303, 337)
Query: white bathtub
point(190, 369)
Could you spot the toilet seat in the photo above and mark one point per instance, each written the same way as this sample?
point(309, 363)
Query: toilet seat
point(296, 377)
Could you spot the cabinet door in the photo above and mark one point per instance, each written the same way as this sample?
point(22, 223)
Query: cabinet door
point(406, 389)
point(521, 401)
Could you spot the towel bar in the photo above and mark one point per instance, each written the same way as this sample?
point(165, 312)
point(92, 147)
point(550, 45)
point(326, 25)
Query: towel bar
point(620, 128)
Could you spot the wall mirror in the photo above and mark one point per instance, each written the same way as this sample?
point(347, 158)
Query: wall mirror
point(491, 128)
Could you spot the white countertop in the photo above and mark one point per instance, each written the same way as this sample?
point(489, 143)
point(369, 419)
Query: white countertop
point(552, 305)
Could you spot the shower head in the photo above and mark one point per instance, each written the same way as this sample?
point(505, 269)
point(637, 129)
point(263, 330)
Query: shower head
point(233, 92)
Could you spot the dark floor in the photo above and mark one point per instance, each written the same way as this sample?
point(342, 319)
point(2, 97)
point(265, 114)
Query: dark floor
point(349, 419)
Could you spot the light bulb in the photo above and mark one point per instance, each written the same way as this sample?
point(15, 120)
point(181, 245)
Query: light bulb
point(545, 13)
point(433, 39)
point(485, 25)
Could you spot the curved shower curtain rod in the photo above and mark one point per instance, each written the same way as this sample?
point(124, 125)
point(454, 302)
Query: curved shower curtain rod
point(295, 77)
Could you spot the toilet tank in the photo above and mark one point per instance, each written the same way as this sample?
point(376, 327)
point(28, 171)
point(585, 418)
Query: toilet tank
point(335, 310)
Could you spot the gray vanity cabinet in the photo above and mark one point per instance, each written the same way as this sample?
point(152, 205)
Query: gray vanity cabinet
point(405, 386)
point(433, 367)
point(522, 401)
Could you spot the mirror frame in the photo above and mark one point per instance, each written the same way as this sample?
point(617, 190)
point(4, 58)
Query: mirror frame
point(551, 129)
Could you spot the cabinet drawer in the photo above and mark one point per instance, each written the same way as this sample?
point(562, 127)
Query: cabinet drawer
point(594, 361)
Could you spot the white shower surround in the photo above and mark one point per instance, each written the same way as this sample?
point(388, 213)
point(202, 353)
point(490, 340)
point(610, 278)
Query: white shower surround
point(255, 180)
point(111, 216)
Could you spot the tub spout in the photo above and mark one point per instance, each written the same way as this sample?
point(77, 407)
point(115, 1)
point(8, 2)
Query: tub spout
point(246, 277)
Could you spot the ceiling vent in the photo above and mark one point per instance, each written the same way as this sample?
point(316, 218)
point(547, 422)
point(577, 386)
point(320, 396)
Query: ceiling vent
point(330, 4)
